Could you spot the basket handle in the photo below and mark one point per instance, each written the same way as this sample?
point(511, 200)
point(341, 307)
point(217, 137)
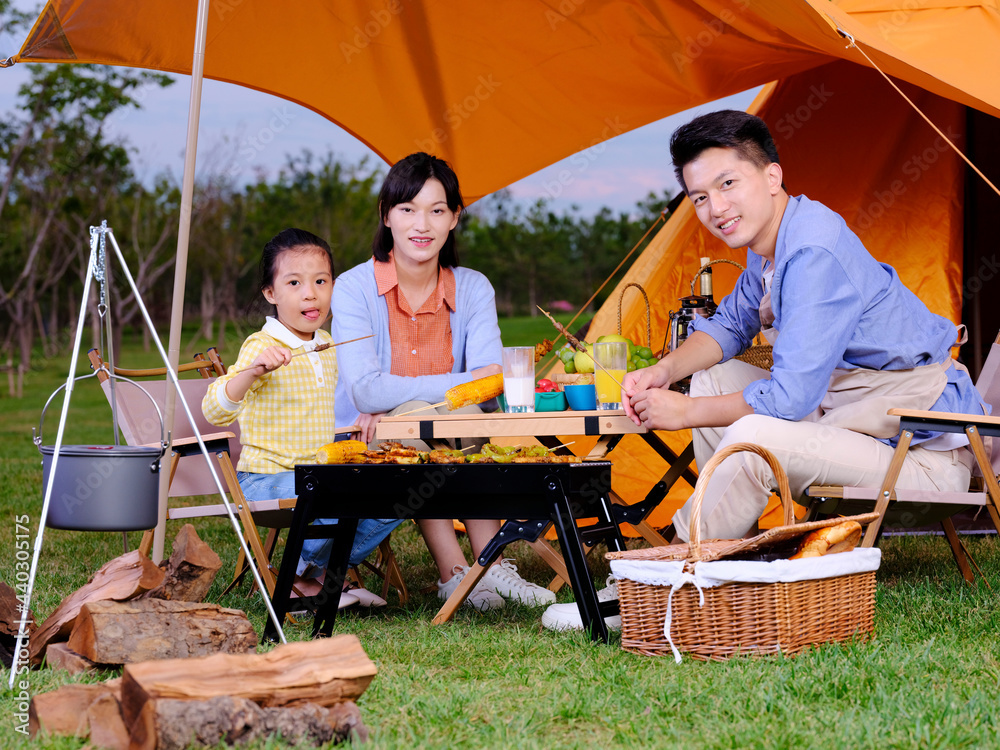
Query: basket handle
point(706, 473)
point(649, 330)
point(712, 263)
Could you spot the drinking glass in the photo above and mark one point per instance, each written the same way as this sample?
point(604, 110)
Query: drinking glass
point(519, 378)
point(614, 356)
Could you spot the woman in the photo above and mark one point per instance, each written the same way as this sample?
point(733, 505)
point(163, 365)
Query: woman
point(435, 326)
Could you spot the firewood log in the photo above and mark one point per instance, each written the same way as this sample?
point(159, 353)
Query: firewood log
point(64, 711)
point(169, 724)
point(189, 571)
point(10, 621)
point(107, 730)
point(144, 629)
point(61, 656)
point(326, 672)
point(120, 579)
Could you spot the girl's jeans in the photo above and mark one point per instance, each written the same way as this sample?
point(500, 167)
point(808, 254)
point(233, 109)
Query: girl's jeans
point(316, 552)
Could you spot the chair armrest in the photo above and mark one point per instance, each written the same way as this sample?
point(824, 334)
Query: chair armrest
point(943, 417)
point(181, 442)
point(206, 438)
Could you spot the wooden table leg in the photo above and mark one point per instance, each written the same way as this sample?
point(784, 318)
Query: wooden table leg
point(465, 586)
point(957, 550)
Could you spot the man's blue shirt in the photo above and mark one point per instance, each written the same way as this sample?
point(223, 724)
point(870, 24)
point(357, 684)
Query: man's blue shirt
point(835, 307)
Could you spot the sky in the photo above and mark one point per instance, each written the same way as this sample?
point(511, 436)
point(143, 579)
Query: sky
point(628, 168)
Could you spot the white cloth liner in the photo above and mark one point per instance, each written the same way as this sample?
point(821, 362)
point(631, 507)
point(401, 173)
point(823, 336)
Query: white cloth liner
point(708, 575)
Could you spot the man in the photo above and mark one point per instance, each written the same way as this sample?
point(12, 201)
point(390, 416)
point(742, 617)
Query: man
point(850, 341)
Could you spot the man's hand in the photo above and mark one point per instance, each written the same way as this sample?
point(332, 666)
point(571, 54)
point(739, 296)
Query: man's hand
point(639, 381)
point(661, 409)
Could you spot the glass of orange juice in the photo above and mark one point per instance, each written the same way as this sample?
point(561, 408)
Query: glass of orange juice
point(613, 355)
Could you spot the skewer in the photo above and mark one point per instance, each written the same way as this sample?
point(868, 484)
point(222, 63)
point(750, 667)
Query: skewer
point(575, 343)
point(422, 408)
point(320, 348)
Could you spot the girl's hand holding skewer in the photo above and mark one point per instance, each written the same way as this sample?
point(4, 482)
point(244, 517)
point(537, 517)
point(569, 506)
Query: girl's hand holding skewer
point(269, 359)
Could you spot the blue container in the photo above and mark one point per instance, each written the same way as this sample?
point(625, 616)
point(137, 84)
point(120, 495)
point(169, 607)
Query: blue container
point(581, 397)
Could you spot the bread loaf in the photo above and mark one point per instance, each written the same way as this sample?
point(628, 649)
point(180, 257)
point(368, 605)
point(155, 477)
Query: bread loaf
point(840, 538)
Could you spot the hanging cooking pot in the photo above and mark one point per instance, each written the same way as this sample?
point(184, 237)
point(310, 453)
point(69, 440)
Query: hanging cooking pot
point(102, 487)
point(692, 306)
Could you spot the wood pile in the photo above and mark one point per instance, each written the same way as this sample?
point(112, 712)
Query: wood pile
point(133, 610)
point(191, 675)
point(306, 692)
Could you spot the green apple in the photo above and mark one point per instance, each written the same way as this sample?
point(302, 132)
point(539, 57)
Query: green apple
point(583, 361)
point(612, 337)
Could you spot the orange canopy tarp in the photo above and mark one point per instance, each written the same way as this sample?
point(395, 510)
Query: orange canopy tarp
point(503, 90)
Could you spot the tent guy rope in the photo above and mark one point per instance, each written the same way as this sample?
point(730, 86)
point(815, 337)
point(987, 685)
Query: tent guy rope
point(853, 44)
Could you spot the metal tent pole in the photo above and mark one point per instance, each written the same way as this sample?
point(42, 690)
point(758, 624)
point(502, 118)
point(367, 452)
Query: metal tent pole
point(183, 235)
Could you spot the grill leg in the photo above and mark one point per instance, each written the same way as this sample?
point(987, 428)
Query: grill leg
point(576, 563)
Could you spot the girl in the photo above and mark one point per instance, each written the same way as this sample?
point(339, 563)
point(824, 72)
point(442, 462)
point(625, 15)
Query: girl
point(435, 326)
point(286, 406)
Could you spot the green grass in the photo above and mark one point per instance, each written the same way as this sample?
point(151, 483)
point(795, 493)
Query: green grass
point(929, 679)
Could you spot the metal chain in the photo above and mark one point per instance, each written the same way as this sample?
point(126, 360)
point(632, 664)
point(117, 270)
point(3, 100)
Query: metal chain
point(100, 270)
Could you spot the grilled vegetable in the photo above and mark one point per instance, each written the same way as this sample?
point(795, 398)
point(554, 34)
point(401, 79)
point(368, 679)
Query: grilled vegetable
point(340, 453)
point(474, 392)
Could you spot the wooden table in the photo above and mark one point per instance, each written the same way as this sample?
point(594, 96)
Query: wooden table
point(609, 426)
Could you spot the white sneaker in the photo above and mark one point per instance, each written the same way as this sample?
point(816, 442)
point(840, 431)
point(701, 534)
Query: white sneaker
point(567, 616)
point(503, 579)
point(610, 590)
point(480, 597)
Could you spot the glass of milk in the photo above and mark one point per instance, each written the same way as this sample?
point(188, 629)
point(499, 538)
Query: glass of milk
point(519, 378)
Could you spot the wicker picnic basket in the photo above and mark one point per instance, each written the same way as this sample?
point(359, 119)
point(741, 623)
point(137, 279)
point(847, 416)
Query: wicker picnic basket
point(716, 621)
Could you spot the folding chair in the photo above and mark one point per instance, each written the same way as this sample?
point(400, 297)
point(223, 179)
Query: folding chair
point(930, 505)
point(189, 476)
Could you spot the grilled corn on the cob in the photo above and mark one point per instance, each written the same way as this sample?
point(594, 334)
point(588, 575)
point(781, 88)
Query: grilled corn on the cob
point(340, 453)
point(474, 392)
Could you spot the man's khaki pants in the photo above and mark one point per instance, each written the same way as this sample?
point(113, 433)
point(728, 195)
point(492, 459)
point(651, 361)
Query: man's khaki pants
point(810, 453)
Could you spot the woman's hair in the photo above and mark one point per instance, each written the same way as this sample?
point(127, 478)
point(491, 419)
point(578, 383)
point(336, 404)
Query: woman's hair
point(404, 181)
point(729, 128)
point(286, 239)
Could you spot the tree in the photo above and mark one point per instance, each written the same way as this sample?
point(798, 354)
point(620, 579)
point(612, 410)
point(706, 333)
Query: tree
point(63, 171)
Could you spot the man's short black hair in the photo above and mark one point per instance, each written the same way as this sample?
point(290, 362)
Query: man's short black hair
point(728, 128)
